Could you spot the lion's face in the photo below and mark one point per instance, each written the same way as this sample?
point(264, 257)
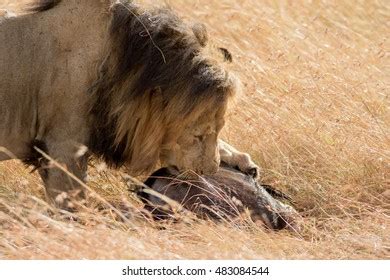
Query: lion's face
point(160, 105)
point(197, 147)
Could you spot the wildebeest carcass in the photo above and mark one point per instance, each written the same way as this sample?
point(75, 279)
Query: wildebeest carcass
point(224, 195)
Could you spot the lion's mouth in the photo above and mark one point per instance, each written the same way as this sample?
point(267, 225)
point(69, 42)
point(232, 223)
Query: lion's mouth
point(174, 170)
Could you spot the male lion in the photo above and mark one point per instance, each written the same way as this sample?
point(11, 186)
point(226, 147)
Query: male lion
point(135, 87)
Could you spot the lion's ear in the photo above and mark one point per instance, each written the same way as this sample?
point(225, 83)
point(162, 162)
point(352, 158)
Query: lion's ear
point(227, 55)
point(200, 32)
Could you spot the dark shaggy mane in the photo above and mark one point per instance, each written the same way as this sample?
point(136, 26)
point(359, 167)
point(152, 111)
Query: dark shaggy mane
point(165, 47)
point(164, 57)
point(43, 5)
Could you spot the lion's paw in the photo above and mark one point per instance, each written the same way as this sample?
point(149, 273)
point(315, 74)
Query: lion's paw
point(246, 165)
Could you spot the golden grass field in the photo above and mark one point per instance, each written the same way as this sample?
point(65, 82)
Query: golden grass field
point(313, 113)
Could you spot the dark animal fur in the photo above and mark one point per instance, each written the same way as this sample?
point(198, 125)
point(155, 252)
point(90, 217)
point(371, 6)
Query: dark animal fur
point(43, 5)
point(165, 54)
point(214, 192)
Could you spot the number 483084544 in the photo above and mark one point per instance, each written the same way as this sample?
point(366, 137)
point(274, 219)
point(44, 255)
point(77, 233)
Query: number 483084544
point(242, 271)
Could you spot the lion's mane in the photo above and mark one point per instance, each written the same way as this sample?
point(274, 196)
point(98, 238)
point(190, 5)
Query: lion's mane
point(155, 78)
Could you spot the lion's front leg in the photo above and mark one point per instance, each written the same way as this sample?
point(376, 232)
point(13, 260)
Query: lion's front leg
point(61, 188)
point(242, 161)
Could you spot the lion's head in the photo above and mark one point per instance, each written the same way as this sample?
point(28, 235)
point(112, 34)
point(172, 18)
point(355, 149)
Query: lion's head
point(160, 95)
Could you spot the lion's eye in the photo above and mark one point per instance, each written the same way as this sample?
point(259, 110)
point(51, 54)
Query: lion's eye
point(200, 138)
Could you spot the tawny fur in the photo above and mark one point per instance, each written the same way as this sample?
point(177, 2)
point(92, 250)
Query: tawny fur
point(135, 87)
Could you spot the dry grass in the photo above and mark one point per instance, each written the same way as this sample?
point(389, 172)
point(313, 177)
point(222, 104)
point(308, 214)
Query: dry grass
point(314, 113)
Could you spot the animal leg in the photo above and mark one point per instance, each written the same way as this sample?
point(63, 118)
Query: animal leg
point(61, 188)
point(242, 161)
